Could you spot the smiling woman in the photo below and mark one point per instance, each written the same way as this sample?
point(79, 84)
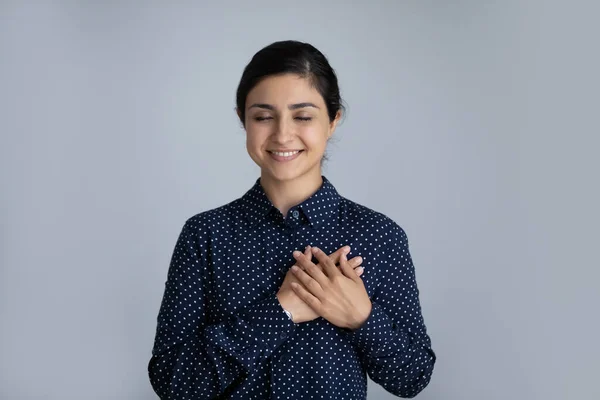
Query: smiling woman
point(287, 128)
point(245, 315)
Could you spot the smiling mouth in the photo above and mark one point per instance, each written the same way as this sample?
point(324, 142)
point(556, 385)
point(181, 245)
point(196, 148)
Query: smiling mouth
point(284, 156)
point(285, 153)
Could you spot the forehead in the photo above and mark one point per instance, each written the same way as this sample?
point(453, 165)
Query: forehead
point(281, 90)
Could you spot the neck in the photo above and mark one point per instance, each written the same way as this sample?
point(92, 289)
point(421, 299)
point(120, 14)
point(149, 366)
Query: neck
point(286, 194)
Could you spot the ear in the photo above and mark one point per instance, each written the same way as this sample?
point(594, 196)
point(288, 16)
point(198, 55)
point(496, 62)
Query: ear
point(333, 124)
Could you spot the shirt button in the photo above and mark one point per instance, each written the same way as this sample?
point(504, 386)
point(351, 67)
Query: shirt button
point(283, 335)
point(295, 214)
point(283, 270)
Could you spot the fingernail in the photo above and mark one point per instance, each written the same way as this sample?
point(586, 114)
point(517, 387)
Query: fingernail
point(315, 250)
point(347, 249)
point(358, 259)
point(295, 268)
point(296, 253)
point(360, 269)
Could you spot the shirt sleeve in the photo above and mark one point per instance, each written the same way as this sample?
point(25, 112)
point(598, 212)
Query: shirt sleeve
point(393, 342)
point(193, 360)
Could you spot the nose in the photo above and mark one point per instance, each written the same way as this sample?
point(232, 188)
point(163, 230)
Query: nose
point(283, 131)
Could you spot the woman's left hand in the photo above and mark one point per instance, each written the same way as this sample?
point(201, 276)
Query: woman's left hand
point(336, 294)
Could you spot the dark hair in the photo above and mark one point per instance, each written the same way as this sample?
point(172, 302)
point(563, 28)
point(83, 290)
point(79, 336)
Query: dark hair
point(291, 56)
point(295, 57)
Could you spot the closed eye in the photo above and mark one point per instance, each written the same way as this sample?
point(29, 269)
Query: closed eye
point(262, 118)
point(298, 118)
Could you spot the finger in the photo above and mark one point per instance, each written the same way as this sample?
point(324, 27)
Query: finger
point(310, 268)
point(355, 261)
point(328, 266)
point(308, 282)
point(308, 298)
point(303, 258)
point(346, 268)
point(307, 253)
point(335, 256)
point(359, 271)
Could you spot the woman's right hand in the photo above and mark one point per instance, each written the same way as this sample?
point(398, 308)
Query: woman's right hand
point(288, 299)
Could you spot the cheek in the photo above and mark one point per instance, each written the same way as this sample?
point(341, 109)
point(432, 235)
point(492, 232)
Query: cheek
point(315, 137)
point(254, 138)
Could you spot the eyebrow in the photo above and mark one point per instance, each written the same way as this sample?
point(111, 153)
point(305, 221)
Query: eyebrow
point(291, 106)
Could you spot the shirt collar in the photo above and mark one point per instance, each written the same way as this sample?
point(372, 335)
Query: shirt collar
point(320, 208)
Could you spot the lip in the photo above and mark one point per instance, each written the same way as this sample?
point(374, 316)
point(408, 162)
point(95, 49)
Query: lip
point(285, 159)
point(285, 150)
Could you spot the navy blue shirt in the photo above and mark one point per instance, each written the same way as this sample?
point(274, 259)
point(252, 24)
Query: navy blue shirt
point(221, 332)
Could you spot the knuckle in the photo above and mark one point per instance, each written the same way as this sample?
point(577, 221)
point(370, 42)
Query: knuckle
point(313, 285)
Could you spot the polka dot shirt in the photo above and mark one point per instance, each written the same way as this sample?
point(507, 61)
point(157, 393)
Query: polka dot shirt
point(221, 332)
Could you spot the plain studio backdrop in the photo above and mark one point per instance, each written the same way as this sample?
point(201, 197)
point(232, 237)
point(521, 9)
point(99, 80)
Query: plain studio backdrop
point(473, 124)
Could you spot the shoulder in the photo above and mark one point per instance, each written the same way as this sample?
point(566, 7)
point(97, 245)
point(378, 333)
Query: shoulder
point(380, 235)
point(214, 219)
point(370, 220)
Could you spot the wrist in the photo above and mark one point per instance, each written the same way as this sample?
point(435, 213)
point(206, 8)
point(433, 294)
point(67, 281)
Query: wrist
point(289, 314)
point(282, 303)
point(358, 323)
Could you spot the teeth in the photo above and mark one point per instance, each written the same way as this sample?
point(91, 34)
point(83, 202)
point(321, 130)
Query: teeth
point(286, 154)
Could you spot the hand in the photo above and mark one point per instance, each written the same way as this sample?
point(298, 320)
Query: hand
point(300, 311)
point(337, 295)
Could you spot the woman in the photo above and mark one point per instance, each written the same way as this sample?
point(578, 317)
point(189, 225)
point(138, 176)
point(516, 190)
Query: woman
point(245, 315)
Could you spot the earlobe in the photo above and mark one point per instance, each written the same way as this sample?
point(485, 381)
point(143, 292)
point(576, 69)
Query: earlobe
point(332, 129)
point(334, 123)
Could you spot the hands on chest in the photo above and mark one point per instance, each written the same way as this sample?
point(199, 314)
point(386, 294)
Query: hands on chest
point(323, 289)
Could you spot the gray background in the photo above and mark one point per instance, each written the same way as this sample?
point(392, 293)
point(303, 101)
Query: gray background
point(473, 124)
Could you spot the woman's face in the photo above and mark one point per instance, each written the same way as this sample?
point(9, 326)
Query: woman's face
point(284, 113)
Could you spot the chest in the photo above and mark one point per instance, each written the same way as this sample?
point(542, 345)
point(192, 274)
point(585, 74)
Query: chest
point(245, 266)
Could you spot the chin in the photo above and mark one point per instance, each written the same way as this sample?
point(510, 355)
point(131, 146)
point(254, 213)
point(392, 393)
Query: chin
point(284, 175)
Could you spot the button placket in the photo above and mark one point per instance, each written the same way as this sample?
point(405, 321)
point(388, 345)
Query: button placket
point(287, 229)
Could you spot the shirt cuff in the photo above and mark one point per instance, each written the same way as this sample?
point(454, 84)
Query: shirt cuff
point(267, 322)
point(378, 334)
